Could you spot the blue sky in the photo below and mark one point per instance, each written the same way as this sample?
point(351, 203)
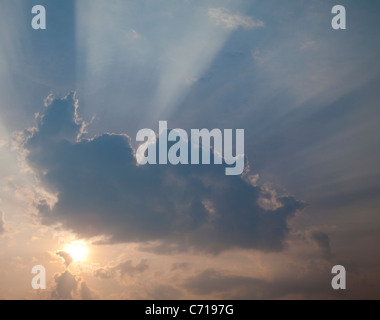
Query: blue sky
point(306, 95)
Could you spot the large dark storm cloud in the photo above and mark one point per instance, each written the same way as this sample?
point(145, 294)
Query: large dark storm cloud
point(101, 191)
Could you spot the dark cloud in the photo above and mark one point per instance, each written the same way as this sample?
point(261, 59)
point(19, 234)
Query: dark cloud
point(122, 269)
point(66, 286)
point(69, 286)
point(66, 257)
point(323, 241)
point(2, 223)
point(86, 293)
point(101, 191)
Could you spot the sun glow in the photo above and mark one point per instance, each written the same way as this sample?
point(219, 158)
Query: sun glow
point(77, 251)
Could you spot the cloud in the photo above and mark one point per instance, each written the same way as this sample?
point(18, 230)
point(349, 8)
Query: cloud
point(122, 269)
point(183, 266)
point(211, 281)
point(66, 257)
point(222, 17)
point(69, 286)
point(164, 292)
point(2, 223)
point(66, 286)
point(102, 192)
point(214, 282)
point(135, 34)
point(86, 293)
point(323, 241)
point(269, 199)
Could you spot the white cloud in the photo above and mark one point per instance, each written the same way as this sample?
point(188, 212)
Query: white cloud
point(222, 17)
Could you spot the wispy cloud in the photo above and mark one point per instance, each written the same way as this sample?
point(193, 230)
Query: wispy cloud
point(222, 17)
point(122, 269)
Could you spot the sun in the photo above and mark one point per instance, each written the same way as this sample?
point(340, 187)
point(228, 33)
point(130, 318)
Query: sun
point(77, 251)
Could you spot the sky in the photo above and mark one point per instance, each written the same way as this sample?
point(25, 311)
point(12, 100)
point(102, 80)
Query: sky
point(74, 200)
